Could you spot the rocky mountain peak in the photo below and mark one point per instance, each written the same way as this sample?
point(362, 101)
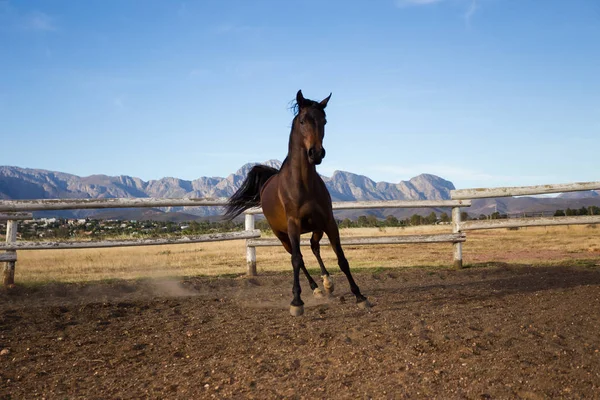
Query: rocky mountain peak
point(20, 183)
point(432, 187)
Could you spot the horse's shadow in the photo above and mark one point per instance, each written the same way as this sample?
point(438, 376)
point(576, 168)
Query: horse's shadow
point(496, 283)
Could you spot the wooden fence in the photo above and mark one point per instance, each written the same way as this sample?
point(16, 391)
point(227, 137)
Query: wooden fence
point(12, 211)
point(15, 210)
point(484, 193)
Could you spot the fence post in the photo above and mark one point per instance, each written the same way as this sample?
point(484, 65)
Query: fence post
point(458, 260)
point(250, 251)
point(9, 267)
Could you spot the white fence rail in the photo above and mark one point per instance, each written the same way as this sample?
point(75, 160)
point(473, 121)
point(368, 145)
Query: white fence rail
point(483, 193)
point(524, 222)
point(86, 204)
point(211, 237)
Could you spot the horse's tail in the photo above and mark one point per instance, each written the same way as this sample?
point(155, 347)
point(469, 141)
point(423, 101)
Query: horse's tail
point(248, 195)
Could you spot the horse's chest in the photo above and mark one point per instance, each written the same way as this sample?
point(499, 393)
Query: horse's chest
point(312, 217)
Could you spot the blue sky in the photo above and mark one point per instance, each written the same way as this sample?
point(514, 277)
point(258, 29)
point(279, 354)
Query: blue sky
point(483, 93)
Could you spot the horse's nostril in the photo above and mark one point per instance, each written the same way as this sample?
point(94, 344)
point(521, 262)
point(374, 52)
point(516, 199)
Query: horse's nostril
point(311, 152)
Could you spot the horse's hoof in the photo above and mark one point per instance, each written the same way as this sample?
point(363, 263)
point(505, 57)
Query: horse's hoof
point(328, 284)
point(318, 293)
point(296, 311)
point(365, 304)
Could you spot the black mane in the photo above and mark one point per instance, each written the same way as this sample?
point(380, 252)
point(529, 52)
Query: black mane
point(307, 104)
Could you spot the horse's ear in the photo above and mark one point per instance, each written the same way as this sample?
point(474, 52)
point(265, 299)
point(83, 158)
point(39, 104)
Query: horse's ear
point(324, 102)
point(299, 99)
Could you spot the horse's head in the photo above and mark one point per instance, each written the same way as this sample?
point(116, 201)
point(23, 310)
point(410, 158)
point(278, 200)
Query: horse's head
point(309, 127)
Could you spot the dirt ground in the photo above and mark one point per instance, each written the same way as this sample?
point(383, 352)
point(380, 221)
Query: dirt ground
point(488, 332)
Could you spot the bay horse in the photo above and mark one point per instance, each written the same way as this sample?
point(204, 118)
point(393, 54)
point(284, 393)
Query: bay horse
point(295, 200)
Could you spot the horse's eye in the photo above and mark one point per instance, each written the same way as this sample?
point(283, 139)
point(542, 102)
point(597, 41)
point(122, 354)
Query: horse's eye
point(302, 121)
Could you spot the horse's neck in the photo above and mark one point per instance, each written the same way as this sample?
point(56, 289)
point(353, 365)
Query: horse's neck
point(298, 170)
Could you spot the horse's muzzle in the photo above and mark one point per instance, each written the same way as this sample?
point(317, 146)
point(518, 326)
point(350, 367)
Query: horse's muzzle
point(316, 156)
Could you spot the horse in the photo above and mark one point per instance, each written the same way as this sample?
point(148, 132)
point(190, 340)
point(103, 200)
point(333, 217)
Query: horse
point(295, 200)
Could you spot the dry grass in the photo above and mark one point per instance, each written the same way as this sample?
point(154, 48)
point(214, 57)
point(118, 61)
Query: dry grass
point(540, 246)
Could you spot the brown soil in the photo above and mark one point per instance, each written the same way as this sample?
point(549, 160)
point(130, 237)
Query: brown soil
point(489, 332)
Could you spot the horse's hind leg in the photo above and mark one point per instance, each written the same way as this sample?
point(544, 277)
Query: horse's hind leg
point(316, 249)
point(313, 285)
point(285, 240)
point(334, 238)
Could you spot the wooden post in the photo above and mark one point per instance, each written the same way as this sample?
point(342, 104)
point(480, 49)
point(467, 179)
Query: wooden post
point(250, 251)
point(9, 267)
point(458, 261)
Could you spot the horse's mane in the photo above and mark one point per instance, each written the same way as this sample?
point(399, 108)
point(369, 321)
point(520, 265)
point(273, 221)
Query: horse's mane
point(307, 104)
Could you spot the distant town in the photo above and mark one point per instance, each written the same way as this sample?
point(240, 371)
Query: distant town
point(60, 228)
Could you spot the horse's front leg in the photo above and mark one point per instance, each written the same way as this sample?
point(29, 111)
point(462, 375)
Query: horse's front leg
point(334, 238)
point(294, 231)
point(285, 241)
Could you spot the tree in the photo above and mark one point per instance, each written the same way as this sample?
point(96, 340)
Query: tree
point(346, 223)
point(194, 227)
point(559, 213)
point(262, 224)
point(391, 220)
point(444, 217)
point(416, 219)
point(431, 218)
point(362, 221)
point(464, 216)
point(372, 221)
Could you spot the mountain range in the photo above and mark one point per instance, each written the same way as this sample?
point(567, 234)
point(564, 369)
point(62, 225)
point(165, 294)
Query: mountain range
point(26, 183)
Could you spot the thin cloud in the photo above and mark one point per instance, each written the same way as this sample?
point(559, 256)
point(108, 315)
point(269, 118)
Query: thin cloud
point(34, 21)
point(472, 8)
point(39, 21)
point(471, 11)
point(119, 103)
point(228, 28)
point(408, 3)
